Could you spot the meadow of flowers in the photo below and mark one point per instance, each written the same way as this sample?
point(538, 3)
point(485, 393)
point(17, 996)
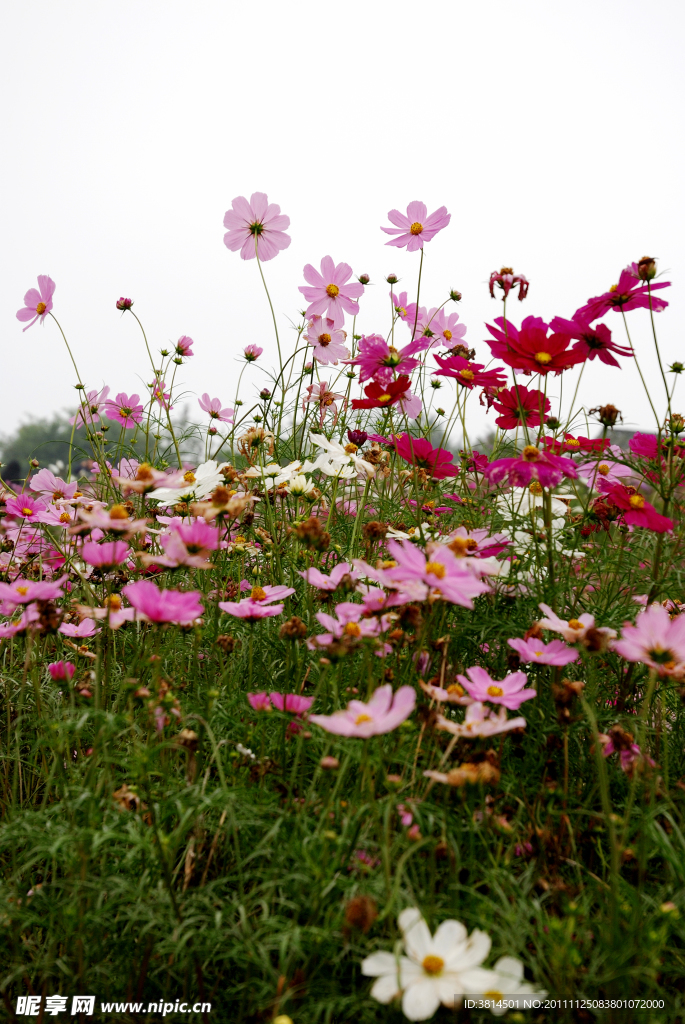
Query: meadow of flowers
point(317, 712)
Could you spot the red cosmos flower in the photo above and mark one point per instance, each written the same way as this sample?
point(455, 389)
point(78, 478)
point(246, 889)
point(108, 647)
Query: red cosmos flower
point(530, 348)
point(469, 374)
point(506, 279)
point(575, 444)
point(519, 405)
point(591, 341)
point(629, 293)
point(532, 464)
point(379, 396)
point(437, 462)
point(636, 511)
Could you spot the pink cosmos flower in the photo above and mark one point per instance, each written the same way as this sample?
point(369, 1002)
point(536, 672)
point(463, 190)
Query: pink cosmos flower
point(506, 279)
point(347, 622)
point(90, 408)
point(105, 556)
point(440, 572)
point(25, 507)
point(591, 341)
point(213, 407)
point(112, 612)
point(125, 409)
point(636, 511)
point(415, 227)
point(452, 694)
point(86, 628)
point(184, 346)
point(24, 622)
point(384, 712)
point(532, 464)
point(259, 701)
point(325, 399)
point(61, 670)
point(531, 348)
point(437, 462)
point(186, 544)
point(575, 630)
point(329, 343)
point(258, 605)
point(380, 361)
point(22, 591)
point(155, 605)
point(480, 721)
point(509, 692)
point(598, 469)
point(478, 543)
point(331, 293)
point(257, 225)
point(554, 653)
point(629, 293)
point(159, 395)
point(445, 327)
point(252, 352)
point(37, 301)
point(53, 487)
point(518, 404)
point(114, 519)
point(656, 640)
point(292, 702)
point(339, 574)
point(628, 752)
point(404, 309)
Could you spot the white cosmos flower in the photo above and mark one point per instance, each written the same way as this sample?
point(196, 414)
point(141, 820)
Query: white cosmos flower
point(438, 968)
point(523, 502)
point(505, 983)
point(334, 458)
point(193, 485)
point(299, 486)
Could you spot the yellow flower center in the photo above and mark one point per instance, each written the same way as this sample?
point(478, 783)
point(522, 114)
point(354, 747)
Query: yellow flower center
point(543, 357)
point(77, 494)
point(332, 290)
point(572, 442)
point(56, 495)
point(436, 568)
point(384, 398)
point(65, 518)
point(113, 602)
point(467, 374)
point(325, 339)
point(494, 994)
point(530, 453)
point(433, 964)
point(40, 308)
point(189, 477)
point(239, 539)
point(455, 688)
point(118, 512)
point(416, 228)
point(27, 511)
point(447, 335)
point(144, 471)
point(535, 487)
point(495, 691)
point(362, 718)
point(613, 288)
point(22, 590)
point(350, 448)
point(352, 629)
point(637, 501)
point(574, 624)
point(603, 469)
point(258, 593)
point(389, 563)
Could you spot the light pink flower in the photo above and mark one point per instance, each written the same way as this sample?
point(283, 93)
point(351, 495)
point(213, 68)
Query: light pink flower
point(452, 694)
point(416, 227)
point(575, 629)
point(325, 399)
point(22, 591)
point(8, 629)
point(258, 225)
point(656, 640)
point(155, 605)
point(604, 468)
point(85, 629)
point(318, 579)
point(24, 506)
point(347, 622)
point(53, 487)
point(481, 721)
point(186, 544)
point(384, 712)
point(105, 556)
point(444, 327)
point(554, 653)
point(329, 343)
point(331, 293)
point(442, 574)
point(250, 610)
point(159, 395)
point(292, 702)
point(126, 409)
point(508, 692)
point(252, 352)
point(184, 346)
point(115, 519)
point(90, 407)
point(37, 301)
point(112, 612)
point(405, 310)
point(213, 407)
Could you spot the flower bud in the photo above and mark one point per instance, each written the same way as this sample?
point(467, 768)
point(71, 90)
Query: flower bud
point(123, 303)
point(212, 431)
point(440, 412)
point(164, 352)
point(79, 387)
point(455, 296)
point(646, 268)
point(329, 763)
point(607, 414)
point(358, 437)
point(676, 423)
point(392, 279)
point(677, 367)
point(265, 394)
point(363, 278)
point(552, 422)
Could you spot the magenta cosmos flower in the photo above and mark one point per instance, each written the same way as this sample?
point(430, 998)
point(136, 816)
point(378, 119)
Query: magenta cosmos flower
point(25, 507)
point(416, 226)
point(384, 712)
point(591, 341)
point(331, 293)
point(105, 556)
point(509, 692)
point(37, 301)
point(126, 409)
point(636, 511)
point(378, 360)
point(61, 670)
point(213, 407)
point(532, 464)
point(554, 653)
point(656, 640)
point(518, 405)
point(469, 374)
point(291, 702)
point(257, 226)
point(329, 343)
point(155, 605)
point(629, 293)
point(437, 462)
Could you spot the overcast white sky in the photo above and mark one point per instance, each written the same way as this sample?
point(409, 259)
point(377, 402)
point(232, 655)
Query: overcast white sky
point(553, 133)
